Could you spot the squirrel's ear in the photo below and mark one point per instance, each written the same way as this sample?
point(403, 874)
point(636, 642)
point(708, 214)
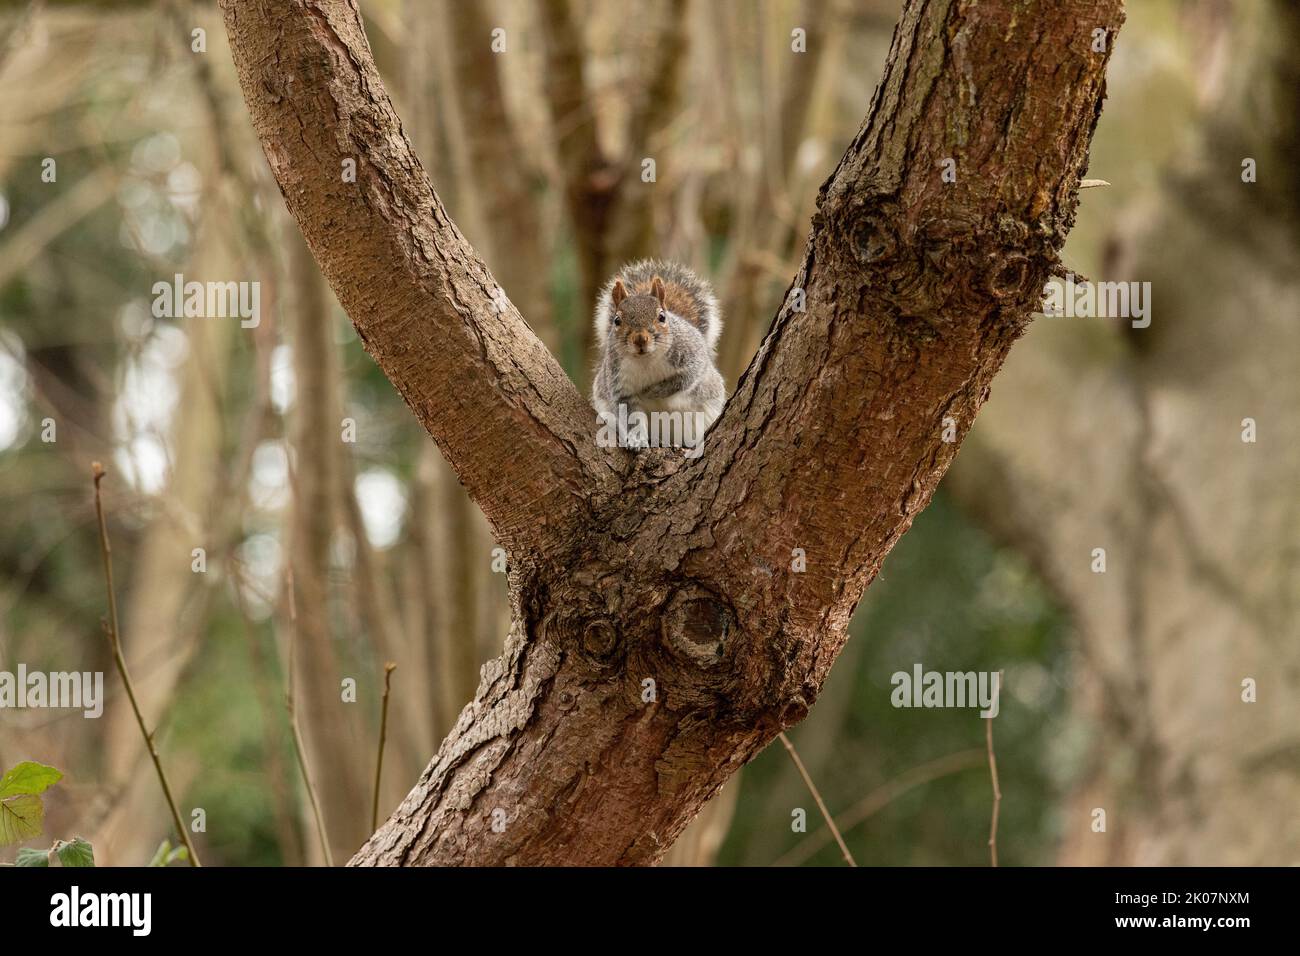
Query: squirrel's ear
point(657, 287)
point(619, 293)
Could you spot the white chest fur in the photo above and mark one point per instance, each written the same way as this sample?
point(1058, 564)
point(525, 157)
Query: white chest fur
point(638, 373)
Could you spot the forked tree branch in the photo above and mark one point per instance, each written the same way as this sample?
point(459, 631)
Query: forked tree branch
point(665, 628)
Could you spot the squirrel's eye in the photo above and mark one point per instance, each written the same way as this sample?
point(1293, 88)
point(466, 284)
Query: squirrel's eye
point(617, 318)
point(662, 316)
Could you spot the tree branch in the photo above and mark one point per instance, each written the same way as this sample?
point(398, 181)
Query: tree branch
point(915, 290)
point(498, 405)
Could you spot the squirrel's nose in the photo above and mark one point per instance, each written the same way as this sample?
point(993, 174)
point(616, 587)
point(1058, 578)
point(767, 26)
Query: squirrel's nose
point(640, 341)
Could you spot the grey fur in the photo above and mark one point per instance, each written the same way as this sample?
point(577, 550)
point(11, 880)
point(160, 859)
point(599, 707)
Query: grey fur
point(677, 374)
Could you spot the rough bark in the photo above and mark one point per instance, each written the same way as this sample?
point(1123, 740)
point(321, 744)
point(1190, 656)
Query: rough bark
point(700, 841)
point(627, 568)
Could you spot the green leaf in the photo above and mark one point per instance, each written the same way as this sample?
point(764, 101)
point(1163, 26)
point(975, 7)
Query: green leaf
point(166, 854)
point(29, 857)
point(76, 853)
point(20, 818)
point(160, 854)
point(28, 777)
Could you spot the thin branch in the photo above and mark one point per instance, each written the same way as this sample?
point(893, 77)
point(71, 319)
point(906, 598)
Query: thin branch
point(881, 797)
point(298, 747)
point(389, 667)
point(821, 805)
point(114, 641)
point(997, 790)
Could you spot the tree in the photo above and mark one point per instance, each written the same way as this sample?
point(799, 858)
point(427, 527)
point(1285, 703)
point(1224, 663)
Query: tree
point(662, 633)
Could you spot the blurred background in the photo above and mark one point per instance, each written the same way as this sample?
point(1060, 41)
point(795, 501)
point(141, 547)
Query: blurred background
point(283, 447)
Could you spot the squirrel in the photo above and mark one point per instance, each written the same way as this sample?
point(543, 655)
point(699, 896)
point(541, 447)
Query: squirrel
point(658, 324)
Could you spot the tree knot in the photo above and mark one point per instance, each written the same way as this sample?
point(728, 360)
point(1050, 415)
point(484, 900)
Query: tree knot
point(954, 266)
point(696, 625)
point(584, 627)
point(599, 639)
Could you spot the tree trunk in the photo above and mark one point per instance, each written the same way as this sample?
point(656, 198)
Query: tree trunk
point(662, 634)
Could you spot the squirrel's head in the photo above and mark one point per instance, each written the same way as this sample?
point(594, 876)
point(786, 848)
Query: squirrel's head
point(639, 322)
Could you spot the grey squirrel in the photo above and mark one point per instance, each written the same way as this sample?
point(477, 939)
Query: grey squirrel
point(657, 324)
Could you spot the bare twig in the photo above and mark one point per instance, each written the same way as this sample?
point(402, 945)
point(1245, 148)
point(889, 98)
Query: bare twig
point(997, 790)
point(881, 797)
point(298, 747)
point(389, 667)
point(114, 641)
point(821, 805)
